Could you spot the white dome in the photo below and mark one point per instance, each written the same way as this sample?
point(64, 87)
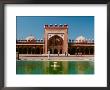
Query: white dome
point(30, 38)
point(80, 39)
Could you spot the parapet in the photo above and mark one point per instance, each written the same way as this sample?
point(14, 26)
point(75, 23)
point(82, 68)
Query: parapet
point(56, 26)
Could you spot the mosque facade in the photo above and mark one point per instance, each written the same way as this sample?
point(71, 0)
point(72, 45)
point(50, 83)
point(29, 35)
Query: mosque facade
point(55, 42)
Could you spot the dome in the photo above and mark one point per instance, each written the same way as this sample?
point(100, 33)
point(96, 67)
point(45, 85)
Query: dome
point(80, 39)
point(30, 38)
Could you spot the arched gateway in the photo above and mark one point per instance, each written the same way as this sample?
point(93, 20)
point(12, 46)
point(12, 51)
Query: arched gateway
point(55, 44)
point(56, 39)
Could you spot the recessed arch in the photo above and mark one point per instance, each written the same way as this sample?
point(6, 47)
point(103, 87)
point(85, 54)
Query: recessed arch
point(55, 44)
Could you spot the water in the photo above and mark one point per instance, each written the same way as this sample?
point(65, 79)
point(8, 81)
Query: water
point(54, 67)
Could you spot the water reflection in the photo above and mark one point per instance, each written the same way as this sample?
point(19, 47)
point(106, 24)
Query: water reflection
point(54, 67)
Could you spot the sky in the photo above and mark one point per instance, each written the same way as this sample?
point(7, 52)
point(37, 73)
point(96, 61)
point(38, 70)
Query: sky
point(34, 25)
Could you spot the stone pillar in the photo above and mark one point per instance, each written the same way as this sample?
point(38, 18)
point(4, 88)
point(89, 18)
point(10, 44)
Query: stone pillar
point(17, 55)
point(89, 51)
point(26, 50)
point(45, 42)
point(43, 49)
point(65, 42)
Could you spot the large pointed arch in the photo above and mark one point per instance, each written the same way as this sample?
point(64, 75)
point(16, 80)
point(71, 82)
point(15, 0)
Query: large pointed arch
point(55, 43)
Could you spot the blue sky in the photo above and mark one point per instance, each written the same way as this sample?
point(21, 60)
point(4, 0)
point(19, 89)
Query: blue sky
point(34, 25)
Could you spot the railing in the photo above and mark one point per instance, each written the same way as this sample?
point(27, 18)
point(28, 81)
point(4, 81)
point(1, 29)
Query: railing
point(29, 41)
point(81, 41)
point(42, 41)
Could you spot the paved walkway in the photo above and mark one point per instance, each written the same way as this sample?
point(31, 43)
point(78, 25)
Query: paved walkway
point(56, 57)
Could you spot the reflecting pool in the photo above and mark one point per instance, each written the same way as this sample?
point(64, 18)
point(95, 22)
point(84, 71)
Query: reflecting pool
point(54, 67)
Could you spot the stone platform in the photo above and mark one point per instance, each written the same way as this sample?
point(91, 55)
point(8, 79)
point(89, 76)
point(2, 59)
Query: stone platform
point(56, 57)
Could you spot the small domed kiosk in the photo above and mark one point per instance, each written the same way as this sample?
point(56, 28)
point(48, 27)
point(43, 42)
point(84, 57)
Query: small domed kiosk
point(30, 38)
point(80, 39)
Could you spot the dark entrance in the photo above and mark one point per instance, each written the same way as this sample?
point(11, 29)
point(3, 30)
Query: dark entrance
point(55, 51)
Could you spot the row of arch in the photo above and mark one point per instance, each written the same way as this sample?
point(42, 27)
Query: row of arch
point(71, 50)
point(81, 50)
point(55, 51)
point(29, 50)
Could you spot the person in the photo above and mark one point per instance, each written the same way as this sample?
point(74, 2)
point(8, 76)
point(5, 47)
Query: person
point(58, 53)
point(48, 54)
point(65, 53)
